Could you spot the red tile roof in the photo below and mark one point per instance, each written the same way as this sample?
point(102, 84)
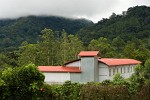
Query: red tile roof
point(115, 61)
point(59, 69)
point(88, 53)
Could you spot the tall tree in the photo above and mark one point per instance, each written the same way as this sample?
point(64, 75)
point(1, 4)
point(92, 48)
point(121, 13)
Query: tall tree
point(75, 46)
point(29, 53)
point(147, 70)
point(64, 46)
point(129, 49)
point(47, 46)
point(102, 46)
point(118, 43)
point(142, 54)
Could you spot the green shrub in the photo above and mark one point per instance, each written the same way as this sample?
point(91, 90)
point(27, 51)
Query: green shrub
point(45, 92)
point(56, 92)
point(98, 92)
point(3, 90)
point(23, 82)
point(71, 91)
point(118, 79)
point(107, 82)
point(143, 93)
point(66, 91)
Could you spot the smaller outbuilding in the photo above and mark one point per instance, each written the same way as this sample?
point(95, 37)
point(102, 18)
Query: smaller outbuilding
point(89, 68)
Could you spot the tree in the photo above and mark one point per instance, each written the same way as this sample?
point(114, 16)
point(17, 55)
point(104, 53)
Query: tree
point(142, 54)
point(147, 70)
point(129, 50)
point(118, 43)
point(29, 53)
point(50, 50)
point(102, 46)
point(47, 46)
point(118, 79)
point(64, 46)
point(23, 82)
point(93, 45)
point(75, 46)
point(113, 15)
point(3, 61)
point(71, 45)
point(137, 79)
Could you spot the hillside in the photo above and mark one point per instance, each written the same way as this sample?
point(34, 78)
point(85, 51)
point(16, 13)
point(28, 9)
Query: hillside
point(14, 31)
point(130, 25)
point(120, 36)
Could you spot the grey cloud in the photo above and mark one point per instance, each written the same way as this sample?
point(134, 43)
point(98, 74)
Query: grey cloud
point(67, 8)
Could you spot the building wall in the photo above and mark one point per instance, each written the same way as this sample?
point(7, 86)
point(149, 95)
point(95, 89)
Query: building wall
point(96, 71)
point(56, 77)
point(103, 72)
point(125, 70)
point(75, 77)
point(87, 68)
point(106, 72)
point(91, 70)
point(74, 64)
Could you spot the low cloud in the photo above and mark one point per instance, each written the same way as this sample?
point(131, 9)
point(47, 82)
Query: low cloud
point(93, 9)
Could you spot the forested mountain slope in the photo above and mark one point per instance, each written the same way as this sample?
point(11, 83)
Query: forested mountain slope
point(14, 31)
point(120, 36)
point(131, 25)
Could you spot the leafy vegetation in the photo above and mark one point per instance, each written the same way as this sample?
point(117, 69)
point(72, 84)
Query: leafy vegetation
point(123, 36)
point(14, 31)
point(27, 82)
point(21, 82)
point(132, 25)
point(50, 51)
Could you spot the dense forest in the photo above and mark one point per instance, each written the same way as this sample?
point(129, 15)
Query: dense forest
point(14, 31)
point(127, 34)
point(120, 36)
point(131, 25)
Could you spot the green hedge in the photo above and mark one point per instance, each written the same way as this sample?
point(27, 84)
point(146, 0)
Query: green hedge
point(76, 91)
point(67, 91)
point(92, 91)
point(143, 93)
point(98, 92)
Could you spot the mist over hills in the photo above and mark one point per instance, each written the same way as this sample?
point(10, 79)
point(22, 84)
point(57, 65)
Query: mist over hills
point(131, 25)
point(14, 31)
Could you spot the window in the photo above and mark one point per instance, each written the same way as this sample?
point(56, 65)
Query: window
point(109, 72)
point(128, 69)
point(131, 68)
point(116, 69)
point(113, 71)
point(124, 69)
point(121, 69)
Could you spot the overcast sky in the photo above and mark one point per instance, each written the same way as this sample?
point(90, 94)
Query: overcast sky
point(94, 10)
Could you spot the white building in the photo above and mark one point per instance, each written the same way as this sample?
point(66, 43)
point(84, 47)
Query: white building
point(89, 67)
